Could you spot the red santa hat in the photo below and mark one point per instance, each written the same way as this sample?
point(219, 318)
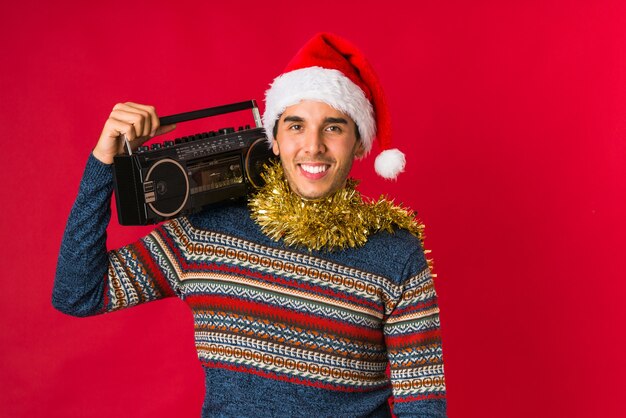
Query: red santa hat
point(329, 69)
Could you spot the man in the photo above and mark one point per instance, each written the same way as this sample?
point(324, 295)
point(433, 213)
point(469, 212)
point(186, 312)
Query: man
point(303, 297)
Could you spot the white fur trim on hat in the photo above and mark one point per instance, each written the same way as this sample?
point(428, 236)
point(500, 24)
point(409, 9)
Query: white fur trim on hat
point(390, 163)
point(320, 84)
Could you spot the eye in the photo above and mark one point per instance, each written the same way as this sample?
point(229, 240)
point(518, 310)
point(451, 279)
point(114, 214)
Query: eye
point(334, 128)
point(295, 127)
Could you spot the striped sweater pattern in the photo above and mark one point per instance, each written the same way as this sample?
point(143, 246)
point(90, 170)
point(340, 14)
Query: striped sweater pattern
point(287, 315)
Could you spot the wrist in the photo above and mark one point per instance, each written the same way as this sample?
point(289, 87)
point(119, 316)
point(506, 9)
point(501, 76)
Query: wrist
point(102, 157)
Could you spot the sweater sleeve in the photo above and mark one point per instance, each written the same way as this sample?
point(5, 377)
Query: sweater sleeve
point(89, 280)
point(413, 339)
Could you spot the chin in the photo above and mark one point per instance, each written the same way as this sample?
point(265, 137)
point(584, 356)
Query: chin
point(312, 194)
point(312, 190)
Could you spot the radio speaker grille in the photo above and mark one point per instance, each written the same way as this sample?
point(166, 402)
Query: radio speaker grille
point(170, 187)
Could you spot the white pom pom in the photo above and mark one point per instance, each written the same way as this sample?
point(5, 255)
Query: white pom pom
point(390, 163)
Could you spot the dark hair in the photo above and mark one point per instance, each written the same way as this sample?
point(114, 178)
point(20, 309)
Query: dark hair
point(275, 129)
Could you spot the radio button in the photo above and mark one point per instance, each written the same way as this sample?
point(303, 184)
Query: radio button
point(225, 131)
point(148, 187)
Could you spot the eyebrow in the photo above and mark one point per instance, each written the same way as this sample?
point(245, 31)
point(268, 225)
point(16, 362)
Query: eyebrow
point(326, 120)
point(336, 120)
point(293, 119)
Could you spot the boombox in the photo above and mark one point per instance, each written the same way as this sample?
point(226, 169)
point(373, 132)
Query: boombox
point(182, 176)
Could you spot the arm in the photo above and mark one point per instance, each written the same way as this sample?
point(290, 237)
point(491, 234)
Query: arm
point(89, 280)
point(413, 341)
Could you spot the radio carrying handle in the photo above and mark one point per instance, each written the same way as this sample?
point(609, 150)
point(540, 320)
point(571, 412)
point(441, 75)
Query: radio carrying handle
point(214, 111)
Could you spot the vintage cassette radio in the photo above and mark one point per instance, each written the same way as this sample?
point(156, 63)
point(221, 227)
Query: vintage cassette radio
point(182, 176)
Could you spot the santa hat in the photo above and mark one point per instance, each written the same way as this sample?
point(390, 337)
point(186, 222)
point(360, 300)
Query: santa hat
point(329, 69)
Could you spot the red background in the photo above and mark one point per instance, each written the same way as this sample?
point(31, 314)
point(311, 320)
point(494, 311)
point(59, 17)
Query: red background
point(512, 116)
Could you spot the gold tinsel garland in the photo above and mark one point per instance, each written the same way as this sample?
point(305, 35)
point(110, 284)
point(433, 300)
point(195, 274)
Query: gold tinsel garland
point(344, 219)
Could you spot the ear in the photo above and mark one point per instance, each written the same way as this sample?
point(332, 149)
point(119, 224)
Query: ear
point(275, 148)
point(359, 149)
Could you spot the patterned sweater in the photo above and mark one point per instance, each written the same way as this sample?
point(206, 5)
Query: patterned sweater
point(280, 331)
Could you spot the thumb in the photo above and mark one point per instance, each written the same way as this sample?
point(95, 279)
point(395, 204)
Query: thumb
point(165, 129)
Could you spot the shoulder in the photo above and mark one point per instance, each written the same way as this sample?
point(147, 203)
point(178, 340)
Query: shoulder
point(396, 255)
point(229, 211)
point(230, 218)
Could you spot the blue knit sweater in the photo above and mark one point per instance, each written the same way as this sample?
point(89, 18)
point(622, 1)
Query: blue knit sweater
point(280, 331)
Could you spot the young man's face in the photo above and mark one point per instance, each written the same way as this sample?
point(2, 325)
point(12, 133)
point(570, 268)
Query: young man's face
point(316, 145)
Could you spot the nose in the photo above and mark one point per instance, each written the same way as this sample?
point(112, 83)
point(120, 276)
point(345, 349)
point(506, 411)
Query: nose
point(314, 142)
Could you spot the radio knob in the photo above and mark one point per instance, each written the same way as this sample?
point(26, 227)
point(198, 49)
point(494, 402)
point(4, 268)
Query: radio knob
point(169, 143)
point(156, 146)
point(240, 128)
point(143, 148)
point(247, 127)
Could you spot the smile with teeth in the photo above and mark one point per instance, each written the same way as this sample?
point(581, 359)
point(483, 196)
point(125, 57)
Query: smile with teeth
point(314, 169)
